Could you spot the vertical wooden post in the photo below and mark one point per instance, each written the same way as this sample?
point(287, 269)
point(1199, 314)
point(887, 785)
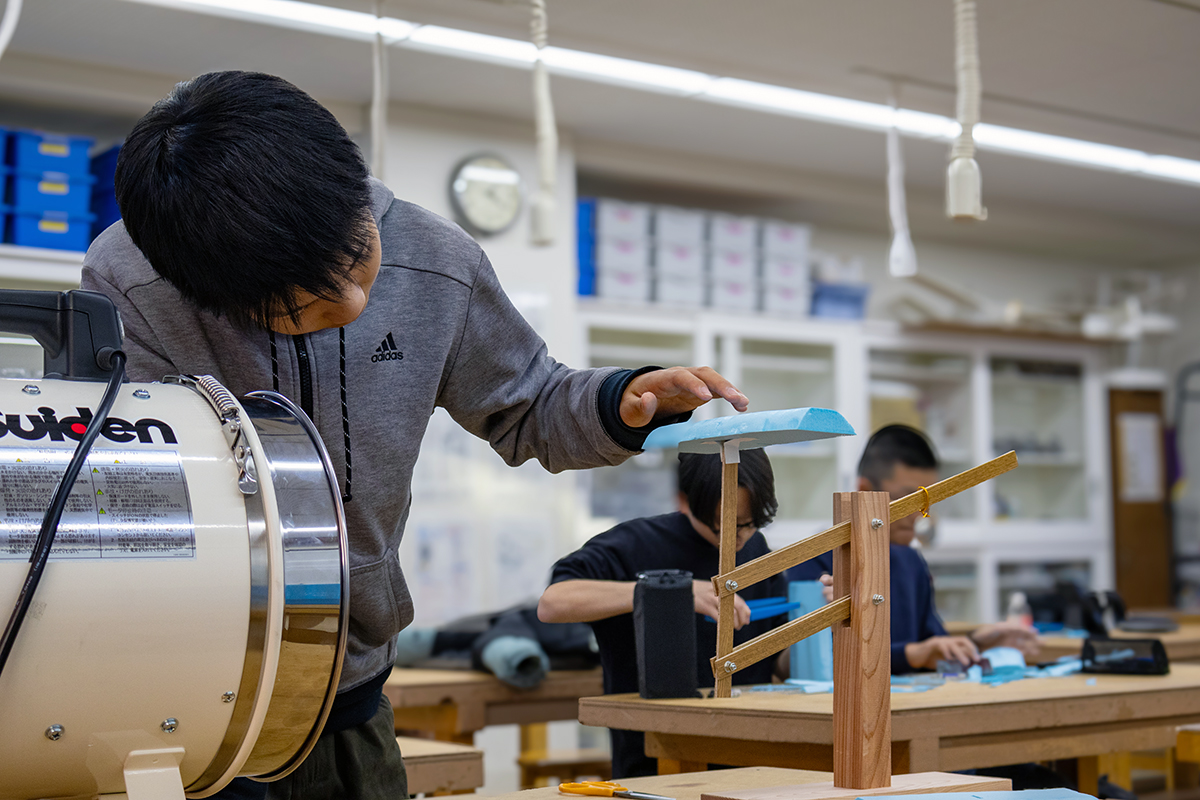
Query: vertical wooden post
point(862, 719)
point(727, 561)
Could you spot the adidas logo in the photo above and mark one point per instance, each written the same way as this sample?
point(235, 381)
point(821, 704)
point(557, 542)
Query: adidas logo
point(387, 351)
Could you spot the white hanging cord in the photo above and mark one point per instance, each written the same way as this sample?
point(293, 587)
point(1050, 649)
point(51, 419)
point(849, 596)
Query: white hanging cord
point(379, 98)
point(902, 258)
point(543, 207)
point(963, 191)
point(8, 26)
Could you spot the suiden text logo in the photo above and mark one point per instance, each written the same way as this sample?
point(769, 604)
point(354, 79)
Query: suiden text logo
point(387, 351)
point(32, 427)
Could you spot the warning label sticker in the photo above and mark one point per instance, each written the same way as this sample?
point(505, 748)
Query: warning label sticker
point(124, 504)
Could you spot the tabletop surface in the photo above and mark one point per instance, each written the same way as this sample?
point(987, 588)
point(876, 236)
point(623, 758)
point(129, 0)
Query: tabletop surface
point(421, 687)
point(956, 707)
point(689, 786)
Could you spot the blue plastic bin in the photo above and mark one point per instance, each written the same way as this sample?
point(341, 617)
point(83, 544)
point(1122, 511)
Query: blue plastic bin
point(104, 198)
point(839, 300)
point(50, 191)
point(34, 151)
point(586, 243)
point(53, 229)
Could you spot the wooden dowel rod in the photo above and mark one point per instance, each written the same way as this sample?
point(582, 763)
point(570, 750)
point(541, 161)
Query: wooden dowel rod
point(768, 644)
point(764, 567)
point(727, 559)
point(776, 562)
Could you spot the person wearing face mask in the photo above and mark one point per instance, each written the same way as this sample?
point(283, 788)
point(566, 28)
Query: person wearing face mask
point(595, 583)
point(899, 460)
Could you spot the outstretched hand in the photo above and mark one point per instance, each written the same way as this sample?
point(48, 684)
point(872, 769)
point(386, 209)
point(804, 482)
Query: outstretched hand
point(706, 602)
point(667, 392)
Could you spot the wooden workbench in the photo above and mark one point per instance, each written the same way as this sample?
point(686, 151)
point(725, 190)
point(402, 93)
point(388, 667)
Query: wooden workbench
point(809, 785)
point(953, 727)
point(453, 704)
point(434, 766)
point(1183, 645)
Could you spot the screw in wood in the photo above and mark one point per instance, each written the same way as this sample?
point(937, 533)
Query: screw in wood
point(877, 599)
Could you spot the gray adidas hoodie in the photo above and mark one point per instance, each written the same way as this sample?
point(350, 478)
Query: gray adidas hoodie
point(465, 348)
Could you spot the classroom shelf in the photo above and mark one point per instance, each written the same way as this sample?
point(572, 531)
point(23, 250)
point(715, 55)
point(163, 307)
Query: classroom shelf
point(56, 269)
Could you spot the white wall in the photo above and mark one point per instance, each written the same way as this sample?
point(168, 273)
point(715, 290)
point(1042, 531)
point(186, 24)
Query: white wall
point(483, 535)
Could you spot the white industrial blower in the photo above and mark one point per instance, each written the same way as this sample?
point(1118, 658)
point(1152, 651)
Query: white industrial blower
point(179, 615)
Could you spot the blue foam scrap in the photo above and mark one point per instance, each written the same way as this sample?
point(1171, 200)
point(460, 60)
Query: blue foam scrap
point(751, 430)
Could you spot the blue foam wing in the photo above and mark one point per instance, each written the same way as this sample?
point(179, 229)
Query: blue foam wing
point(751, 430)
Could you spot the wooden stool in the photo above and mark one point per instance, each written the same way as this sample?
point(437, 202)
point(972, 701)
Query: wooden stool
point(435, 767)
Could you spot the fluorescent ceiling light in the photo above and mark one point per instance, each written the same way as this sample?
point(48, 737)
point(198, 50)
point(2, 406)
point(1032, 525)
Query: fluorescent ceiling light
point(662, 79)
point(309, 17)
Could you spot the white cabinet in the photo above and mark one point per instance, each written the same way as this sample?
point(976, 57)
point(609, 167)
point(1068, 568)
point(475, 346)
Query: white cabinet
point(974, 396)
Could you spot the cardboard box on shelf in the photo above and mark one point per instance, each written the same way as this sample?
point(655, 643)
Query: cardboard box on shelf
point(785, 271)
point(679, 225)
point(733, 295)
point(626, 285)
point(623, 254)
point(679, 260)
point(617, 218)
point(794, 301)
point(736, 265)
point(681, 292)
point(785, 239)
point(729, 232)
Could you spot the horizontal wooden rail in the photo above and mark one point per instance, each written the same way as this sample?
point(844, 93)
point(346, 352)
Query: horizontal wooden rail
point(776, 562)
point(767, 644)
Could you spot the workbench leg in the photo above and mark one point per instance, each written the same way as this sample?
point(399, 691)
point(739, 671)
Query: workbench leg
point(534, 740)
point(671, 766)
point(1088, 774)
point(1117, 766)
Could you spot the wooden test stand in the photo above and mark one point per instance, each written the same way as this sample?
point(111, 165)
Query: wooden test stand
point(859, 614)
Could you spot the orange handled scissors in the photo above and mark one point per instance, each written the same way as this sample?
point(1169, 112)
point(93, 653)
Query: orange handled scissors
point(607, 789)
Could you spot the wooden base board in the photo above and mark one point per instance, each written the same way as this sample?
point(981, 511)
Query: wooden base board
point(917, 783)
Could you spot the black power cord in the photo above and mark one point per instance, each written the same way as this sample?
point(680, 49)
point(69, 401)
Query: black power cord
point(45, 540)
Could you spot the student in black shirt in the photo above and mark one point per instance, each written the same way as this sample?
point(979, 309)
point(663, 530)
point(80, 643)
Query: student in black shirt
point(899, 460)
point(595, 583)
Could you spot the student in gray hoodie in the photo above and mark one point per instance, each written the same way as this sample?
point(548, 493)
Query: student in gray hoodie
point(255, 248)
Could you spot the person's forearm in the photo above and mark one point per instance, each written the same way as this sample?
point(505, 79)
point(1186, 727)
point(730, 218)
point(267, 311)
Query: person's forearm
point(585, 601)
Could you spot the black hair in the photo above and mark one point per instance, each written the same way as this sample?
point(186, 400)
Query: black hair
point(243, 191)
point(891, 445)
point(700, 483)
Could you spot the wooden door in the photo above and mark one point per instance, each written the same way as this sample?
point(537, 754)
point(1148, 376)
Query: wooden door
point(1141, 526)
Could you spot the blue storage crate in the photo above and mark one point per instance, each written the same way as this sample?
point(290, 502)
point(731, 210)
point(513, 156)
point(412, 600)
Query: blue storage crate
point(104, 167)
point(586, 244)
point(104, 198)
point(50, 191)
point(33, 151)
point(839, 300)
point(104, 208)
point(52, 229)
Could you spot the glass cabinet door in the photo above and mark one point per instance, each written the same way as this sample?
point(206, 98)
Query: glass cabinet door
point(955, 590)
point(930, 392)
point(781, 374)
point(645, 485)
point(1037, 410)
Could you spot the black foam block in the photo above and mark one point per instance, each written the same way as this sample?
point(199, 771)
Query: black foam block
point(664, 626)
